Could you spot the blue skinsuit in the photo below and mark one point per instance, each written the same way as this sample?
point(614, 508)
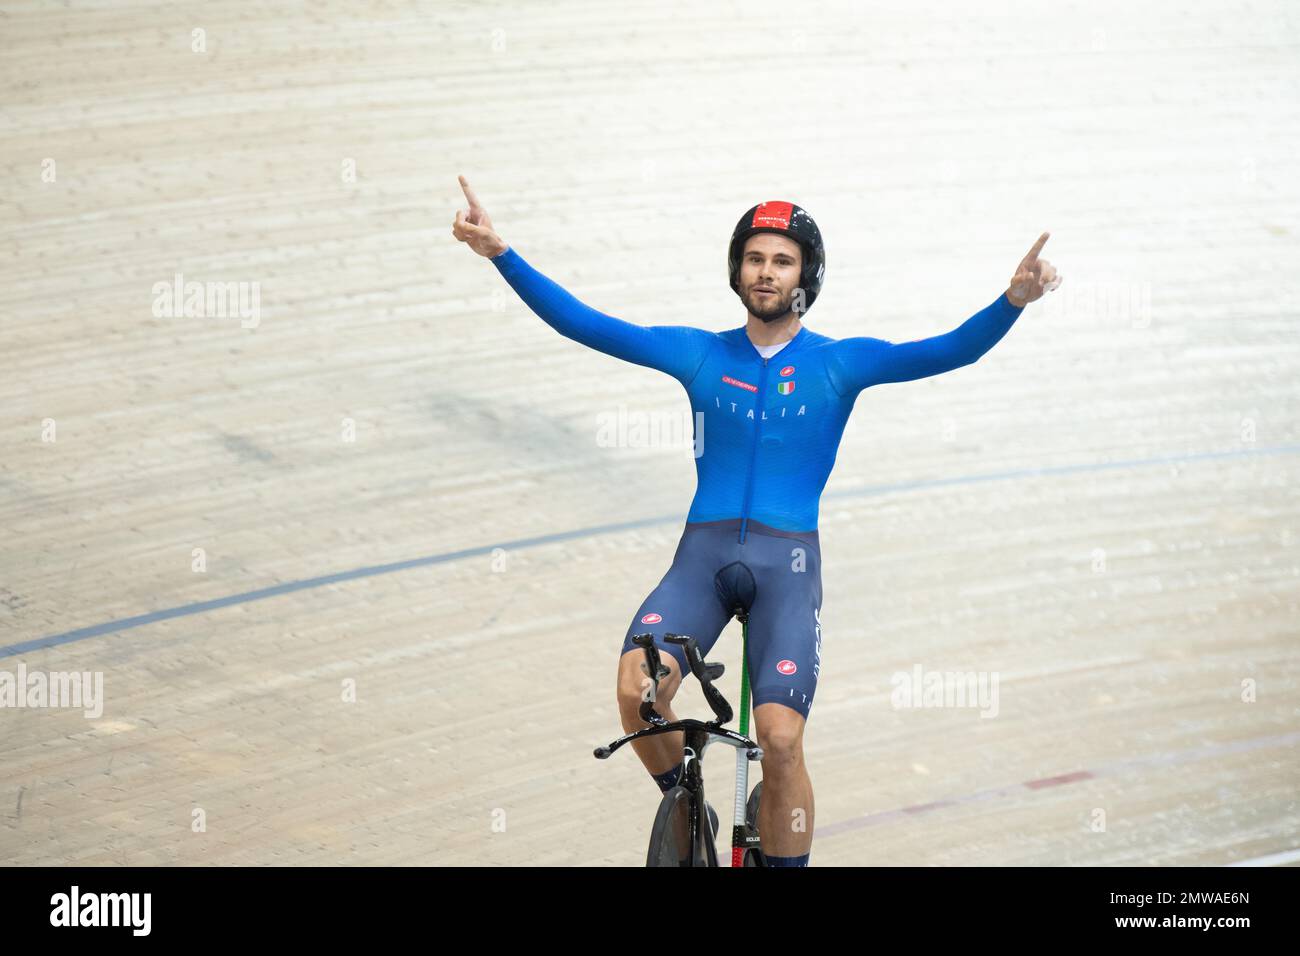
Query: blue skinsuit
point(771, 428)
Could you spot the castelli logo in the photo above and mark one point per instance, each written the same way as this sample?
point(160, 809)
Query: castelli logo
point(786, 667)
point(651, 618)
point(788, 370)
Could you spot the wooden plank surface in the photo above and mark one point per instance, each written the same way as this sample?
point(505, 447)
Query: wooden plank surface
point(1102, 512)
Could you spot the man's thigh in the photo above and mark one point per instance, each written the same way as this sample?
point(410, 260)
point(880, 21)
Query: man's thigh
point(685, 602)
point(785, 653)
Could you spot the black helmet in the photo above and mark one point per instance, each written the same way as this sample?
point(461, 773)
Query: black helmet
point(789, 220)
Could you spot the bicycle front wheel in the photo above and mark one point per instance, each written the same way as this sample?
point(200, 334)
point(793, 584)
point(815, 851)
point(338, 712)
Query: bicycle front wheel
point(670, 837)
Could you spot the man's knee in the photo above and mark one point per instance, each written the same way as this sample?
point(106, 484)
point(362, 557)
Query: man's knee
point(634, 684)
point(780, 734)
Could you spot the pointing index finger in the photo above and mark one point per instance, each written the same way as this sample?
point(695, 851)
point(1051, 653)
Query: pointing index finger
point(469, 193)
point(1038, 247)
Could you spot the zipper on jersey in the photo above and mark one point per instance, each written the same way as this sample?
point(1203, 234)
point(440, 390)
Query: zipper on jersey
point(753, 457)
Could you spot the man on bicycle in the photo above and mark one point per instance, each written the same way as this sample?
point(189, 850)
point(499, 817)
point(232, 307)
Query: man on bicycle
point(773, 397)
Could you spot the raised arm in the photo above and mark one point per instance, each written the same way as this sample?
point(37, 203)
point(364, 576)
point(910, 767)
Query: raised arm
point(861, 362)
point(677, 350)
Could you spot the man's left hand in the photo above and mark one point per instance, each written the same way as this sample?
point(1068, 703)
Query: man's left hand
point(1033, 277)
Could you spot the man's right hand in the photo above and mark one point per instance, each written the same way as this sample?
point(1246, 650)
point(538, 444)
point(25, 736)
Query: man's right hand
point(474, 227)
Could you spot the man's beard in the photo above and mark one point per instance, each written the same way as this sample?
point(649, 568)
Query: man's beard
point(770, 313)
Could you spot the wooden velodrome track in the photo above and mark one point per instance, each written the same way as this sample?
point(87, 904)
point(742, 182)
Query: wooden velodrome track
point(1102, 512)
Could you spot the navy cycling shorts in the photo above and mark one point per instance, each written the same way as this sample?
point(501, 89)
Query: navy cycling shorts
point(774, 576)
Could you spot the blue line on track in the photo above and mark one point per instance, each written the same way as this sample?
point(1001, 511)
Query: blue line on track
point(246, 597)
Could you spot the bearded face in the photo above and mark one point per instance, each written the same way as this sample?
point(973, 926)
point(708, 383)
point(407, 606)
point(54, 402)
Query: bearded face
point(770, 270)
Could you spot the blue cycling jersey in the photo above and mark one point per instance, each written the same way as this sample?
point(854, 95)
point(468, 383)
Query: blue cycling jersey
point(767, 430)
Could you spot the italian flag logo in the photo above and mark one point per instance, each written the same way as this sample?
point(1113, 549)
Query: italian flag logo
point(785, 388)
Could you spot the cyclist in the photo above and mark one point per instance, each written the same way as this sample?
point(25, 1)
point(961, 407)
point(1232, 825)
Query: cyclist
point(773, 398)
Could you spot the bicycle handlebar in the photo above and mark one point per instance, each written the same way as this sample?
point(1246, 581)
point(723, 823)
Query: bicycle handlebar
point(657, 671)
point(707, 674)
